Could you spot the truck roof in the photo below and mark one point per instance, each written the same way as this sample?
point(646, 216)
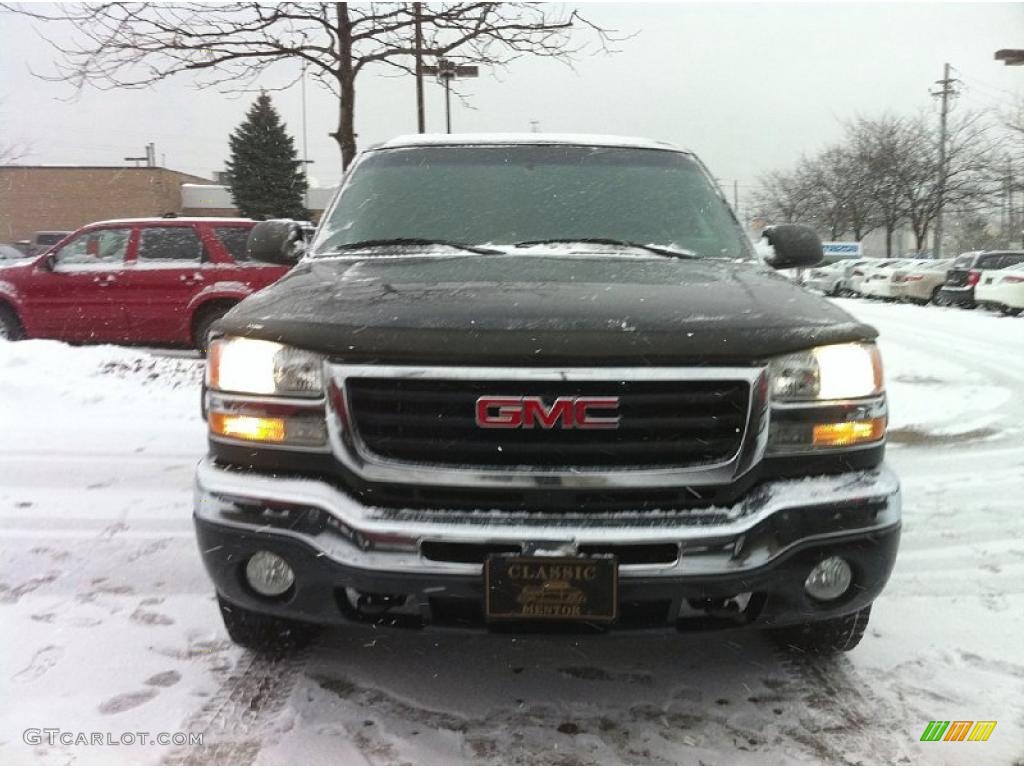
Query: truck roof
point(491, 139)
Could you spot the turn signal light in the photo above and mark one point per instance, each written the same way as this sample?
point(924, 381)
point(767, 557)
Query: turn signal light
point(259, 428)
point(848, 432)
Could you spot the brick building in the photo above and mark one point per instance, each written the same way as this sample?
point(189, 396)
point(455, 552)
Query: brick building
point(63, 197)
point(36, 197)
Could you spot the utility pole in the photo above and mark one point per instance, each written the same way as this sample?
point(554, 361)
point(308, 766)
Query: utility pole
point(736, 197)
point(421, 118)
point(1010, 213)
point(944, 93)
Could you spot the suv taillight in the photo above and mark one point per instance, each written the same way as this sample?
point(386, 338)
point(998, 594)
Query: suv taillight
point(1013, 279)
point(973, 277)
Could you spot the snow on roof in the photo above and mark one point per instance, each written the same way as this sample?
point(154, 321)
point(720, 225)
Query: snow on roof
point(579, 139)
point(170, 219)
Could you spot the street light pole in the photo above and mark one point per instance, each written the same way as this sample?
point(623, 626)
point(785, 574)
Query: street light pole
point(446, 71)
point(421, 120)
point(1011, 57)
point(305, 152)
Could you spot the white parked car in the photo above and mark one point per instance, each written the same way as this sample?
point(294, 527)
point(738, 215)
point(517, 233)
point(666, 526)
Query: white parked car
point(1002, 289)
point(860, 273)
point(921, 281)
point(878, 280)
point(827, 279)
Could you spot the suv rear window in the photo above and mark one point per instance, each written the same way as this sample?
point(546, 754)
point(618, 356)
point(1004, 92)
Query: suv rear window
point(234, 240)
point(995, 261)
point(158, 244)
point(964, 262)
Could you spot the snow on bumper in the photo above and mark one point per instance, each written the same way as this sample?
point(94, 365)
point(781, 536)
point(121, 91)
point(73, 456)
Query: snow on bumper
point(765, 544)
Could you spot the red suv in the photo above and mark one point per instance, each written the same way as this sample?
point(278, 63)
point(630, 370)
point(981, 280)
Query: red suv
point(149, 281)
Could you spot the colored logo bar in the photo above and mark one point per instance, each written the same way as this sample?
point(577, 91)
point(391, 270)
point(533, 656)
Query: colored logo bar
point(958, 730)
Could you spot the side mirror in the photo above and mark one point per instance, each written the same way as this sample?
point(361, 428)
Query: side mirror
point(796, 246)
point(278, 241)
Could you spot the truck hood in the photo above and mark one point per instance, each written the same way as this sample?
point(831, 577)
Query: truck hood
point(540, 310)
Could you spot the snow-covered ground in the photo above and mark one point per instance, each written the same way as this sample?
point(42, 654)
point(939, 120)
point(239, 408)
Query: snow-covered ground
point(108, 625)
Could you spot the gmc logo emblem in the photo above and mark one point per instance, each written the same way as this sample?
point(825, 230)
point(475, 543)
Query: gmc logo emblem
point(495, 412)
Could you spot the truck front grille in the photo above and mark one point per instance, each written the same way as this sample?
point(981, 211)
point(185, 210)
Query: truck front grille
point(662, 423)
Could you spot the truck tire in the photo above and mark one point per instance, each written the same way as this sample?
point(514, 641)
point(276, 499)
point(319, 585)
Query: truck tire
point(204, 319)
point(264, 633)
point(10, 328)
point(826, 637)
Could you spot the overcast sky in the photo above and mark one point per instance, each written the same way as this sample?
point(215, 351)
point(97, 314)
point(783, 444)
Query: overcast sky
point(749, 87)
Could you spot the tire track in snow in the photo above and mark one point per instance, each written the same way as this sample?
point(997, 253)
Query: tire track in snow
point(839, 724)
point(236, 718)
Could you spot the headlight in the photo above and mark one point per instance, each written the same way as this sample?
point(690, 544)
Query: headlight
point(835, 372)
point(257, 367)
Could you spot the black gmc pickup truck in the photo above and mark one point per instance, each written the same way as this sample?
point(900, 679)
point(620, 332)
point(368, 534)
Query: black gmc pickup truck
point(537, 381)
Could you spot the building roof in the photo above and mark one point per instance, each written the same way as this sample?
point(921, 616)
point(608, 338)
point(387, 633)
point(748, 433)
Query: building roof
point(484, 139)
point(20, 167)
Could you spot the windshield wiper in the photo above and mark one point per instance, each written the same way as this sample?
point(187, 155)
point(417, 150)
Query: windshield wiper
point(671, 252)
point(400, 241)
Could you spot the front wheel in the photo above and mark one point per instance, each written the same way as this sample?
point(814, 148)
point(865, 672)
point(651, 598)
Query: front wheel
point(264, 633)
point(202, 324)
point(826, 637)
point(1012, 311)
point(10, 328)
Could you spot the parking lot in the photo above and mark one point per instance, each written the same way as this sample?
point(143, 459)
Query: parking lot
point(117, 629)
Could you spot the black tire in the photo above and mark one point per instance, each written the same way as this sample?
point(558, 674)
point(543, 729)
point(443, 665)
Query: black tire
point(1012, 311)
point(826, 637)
point(263, 633)
point(10, 326)
point(204, 319)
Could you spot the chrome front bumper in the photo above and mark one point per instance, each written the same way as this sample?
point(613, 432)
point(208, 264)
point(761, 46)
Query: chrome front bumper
point(770, 521)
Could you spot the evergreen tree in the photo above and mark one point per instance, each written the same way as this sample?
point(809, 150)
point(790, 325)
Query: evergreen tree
point(265, 174)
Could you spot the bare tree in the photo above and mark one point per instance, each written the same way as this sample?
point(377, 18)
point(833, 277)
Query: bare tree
point(878, 146)
point(968, 178)
point(782, 198)
point(229, 46)
point(1013, 121)
point(838, 201)
point(10, 152)
point(830, 191)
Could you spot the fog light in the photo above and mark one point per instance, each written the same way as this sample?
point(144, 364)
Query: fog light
point(269, 574)
point(829, 579)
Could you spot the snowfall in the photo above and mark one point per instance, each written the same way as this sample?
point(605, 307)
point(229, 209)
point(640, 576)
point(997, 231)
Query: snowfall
point(108, 624)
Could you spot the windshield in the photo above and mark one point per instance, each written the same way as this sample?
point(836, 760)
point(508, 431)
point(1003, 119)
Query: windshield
point(503, 195)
